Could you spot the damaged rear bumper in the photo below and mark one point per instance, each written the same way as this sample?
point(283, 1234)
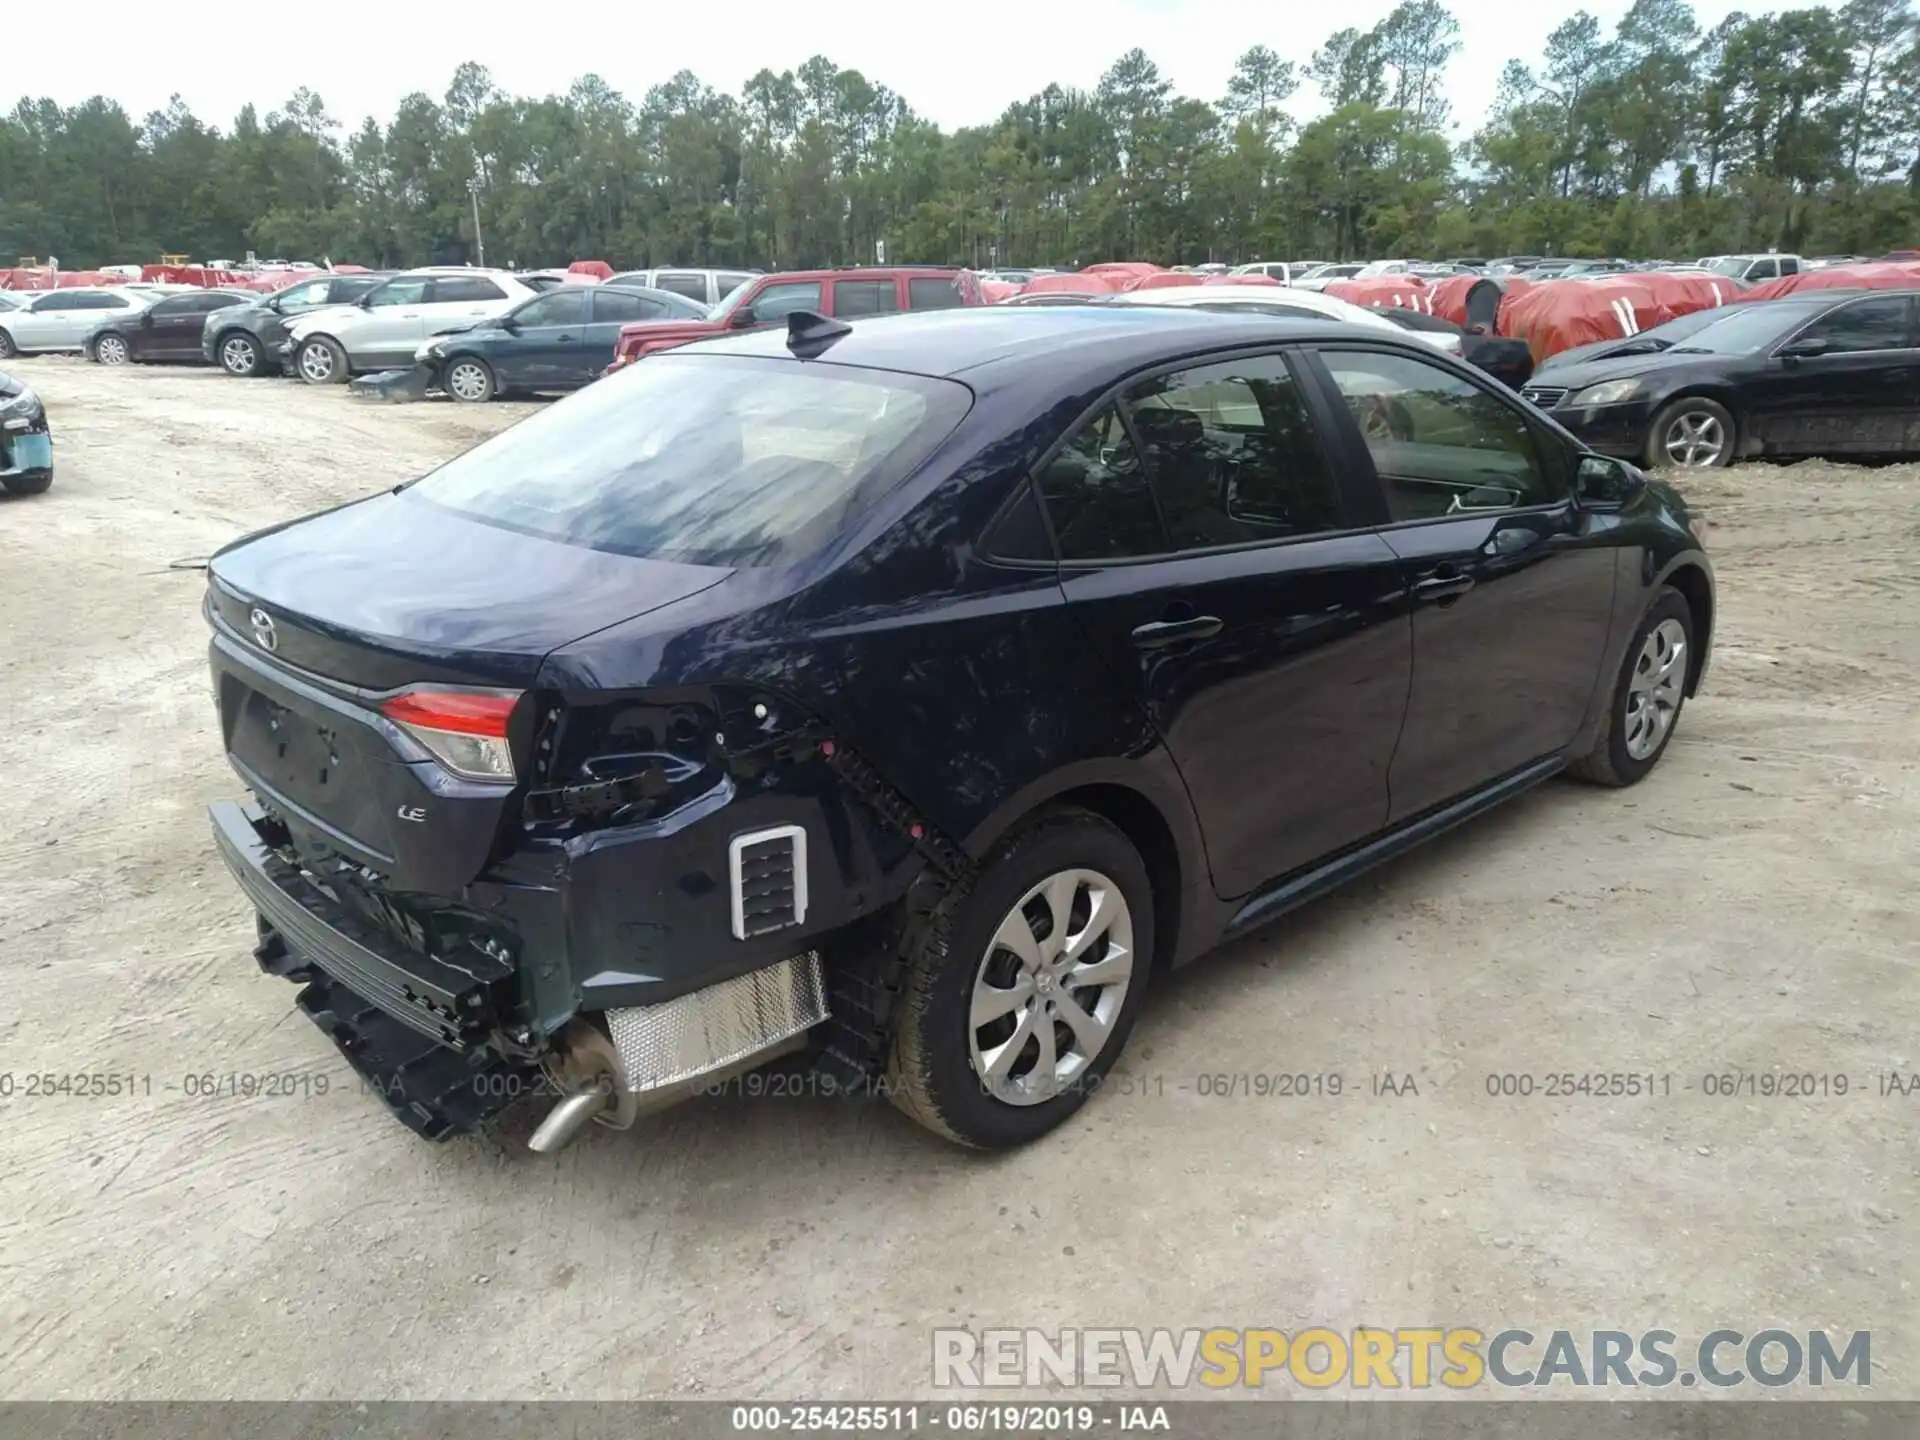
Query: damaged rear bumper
point(447, 1043)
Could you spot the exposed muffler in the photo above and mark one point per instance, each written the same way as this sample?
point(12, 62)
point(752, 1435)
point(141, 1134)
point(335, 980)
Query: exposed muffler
point(653, 1056)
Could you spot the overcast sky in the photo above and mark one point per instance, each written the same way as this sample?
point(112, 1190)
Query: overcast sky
point(956, 65)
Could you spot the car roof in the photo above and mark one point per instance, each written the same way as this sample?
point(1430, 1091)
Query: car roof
point(1011, 341)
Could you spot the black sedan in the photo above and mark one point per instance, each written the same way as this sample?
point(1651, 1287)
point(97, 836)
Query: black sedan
point(913, 692)
point(26, 440)
point(1808, 374)
point(560, 340)
point(167, 330)
point(242, 340)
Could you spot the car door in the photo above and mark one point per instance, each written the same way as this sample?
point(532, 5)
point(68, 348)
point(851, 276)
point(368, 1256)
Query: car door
point(1209, 552)
point(1846, 382)
point(392, 325)
point(459, 300)
point(608, 311)
point(1511, 583)
point(49, 323)
point(543, 348)
point(171, 329)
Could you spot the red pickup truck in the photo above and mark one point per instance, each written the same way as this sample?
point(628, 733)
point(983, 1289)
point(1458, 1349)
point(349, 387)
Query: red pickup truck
point(842, 294)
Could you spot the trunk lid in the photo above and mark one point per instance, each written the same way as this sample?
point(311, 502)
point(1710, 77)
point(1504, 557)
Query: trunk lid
point(316, 621)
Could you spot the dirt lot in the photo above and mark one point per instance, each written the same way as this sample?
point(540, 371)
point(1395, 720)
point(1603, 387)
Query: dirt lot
point(1748, 909)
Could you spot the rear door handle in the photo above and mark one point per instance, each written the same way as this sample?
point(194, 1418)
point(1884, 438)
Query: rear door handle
point(1171, 632)
point(1442, 585)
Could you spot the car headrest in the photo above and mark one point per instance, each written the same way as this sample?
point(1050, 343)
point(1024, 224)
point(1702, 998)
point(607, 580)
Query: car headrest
point(1159, 425)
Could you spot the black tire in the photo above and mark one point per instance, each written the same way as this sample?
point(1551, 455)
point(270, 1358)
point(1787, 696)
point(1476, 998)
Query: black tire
point(930, 1072)
point(482, 387)
point(29, 485)
point(7, 352)
point(335, 371)
point(124, 350)
point(1611, 762)
point(237, 353)
point(1692, 407)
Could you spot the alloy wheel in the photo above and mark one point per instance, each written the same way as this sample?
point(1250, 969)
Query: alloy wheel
point(111, 350)
point(1050, 987)
point(467, 381)
point(1656, 687)
point(237, 355)
point(1695, 440)
point(316, 363)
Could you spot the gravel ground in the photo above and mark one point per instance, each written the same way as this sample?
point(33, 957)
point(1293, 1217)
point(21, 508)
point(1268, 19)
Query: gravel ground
point(1747, 909)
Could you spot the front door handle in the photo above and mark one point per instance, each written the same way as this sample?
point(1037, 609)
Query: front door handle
point(564, 339)
point(1444, 584)
point(1171, 632)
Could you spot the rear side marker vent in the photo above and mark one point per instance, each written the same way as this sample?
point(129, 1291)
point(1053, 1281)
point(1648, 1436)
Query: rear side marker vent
point(768, 869)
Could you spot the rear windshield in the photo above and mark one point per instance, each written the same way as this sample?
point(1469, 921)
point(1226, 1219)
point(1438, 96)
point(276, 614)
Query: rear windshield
point(717, 460)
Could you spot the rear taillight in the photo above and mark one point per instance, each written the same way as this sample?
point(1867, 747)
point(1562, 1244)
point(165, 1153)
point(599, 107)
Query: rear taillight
point(465, 729)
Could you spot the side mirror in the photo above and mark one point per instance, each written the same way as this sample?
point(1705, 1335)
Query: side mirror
point(1605, 483)
point(507, 323)
point(1804, 349)
point(746, 320)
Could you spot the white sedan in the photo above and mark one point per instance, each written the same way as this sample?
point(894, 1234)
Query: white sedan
point(1274, 300)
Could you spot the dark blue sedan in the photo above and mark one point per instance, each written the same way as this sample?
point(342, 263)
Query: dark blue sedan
point(557, 341)
point(913, 693)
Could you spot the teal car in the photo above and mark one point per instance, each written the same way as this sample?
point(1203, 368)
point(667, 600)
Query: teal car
point(26, 440)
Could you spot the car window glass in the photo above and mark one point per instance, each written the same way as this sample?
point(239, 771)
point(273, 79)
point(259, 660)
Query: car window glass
point(1096, 495)
point(854, 298)
point(562, 307)
point(689, 283)
point(104, 302)
point(1020, 532)
point(48, 303)
point(463, 289)
point(776, 302)
point(931, 293)
point(1232, 456)
point(1876, 324)
point(399, 292)
point(617, 307)
point(1440, 443)
point(725, 283)
point(303, 297)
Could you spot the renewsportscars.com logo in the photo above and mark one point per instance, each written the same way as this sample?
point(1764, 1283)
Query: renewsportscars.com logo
point(1410, 1358)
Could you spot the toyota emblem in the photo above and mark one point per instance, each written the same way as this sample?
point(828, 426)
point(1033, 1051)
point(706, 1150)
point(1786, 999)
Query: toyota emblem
point(263, 632)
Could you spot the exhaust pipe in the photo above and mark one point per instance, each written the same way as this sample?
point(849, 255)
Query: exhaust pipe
point(567, 1119)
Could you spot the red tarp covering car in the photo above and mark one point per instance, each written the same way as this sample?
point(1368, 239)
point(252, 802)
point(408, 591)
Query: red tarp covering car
point(1122, 269)
point(49, 280)
point(1686, 293)
point(1406, 292)
point(1560, 314)
point(201, 275)
point(1163, 280)
point(1874, 275)
point(598, 269)
point(1241, 280)
point(992, 292)
point(1085, 283)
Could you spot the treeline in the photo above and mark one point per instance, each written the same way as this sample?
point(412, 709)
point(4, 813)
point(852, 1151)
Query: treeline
point(1798, 129)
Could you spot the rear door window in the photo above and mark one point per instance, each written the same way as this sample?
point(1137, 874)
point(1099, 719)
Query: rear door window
point(1096, 493)
point(933, 293)
point(1232, 455)
point(612, 307)
point(854, 298)
point(690, 283)
point(711, 460)
point(465, 289)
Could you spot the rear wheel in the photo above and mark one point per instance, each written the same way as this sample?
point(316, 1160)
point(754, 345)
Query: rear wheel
point(239, 354)
point(110, 350)
point(1025, 985)
point(469, 380)
point(321, 361)
point(1647, 696)
point(1693, 433)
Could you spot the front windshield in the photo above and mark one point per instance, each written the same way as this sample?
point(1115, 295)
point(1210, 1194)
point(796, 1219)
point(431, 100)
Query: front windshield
point(1745, 329)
